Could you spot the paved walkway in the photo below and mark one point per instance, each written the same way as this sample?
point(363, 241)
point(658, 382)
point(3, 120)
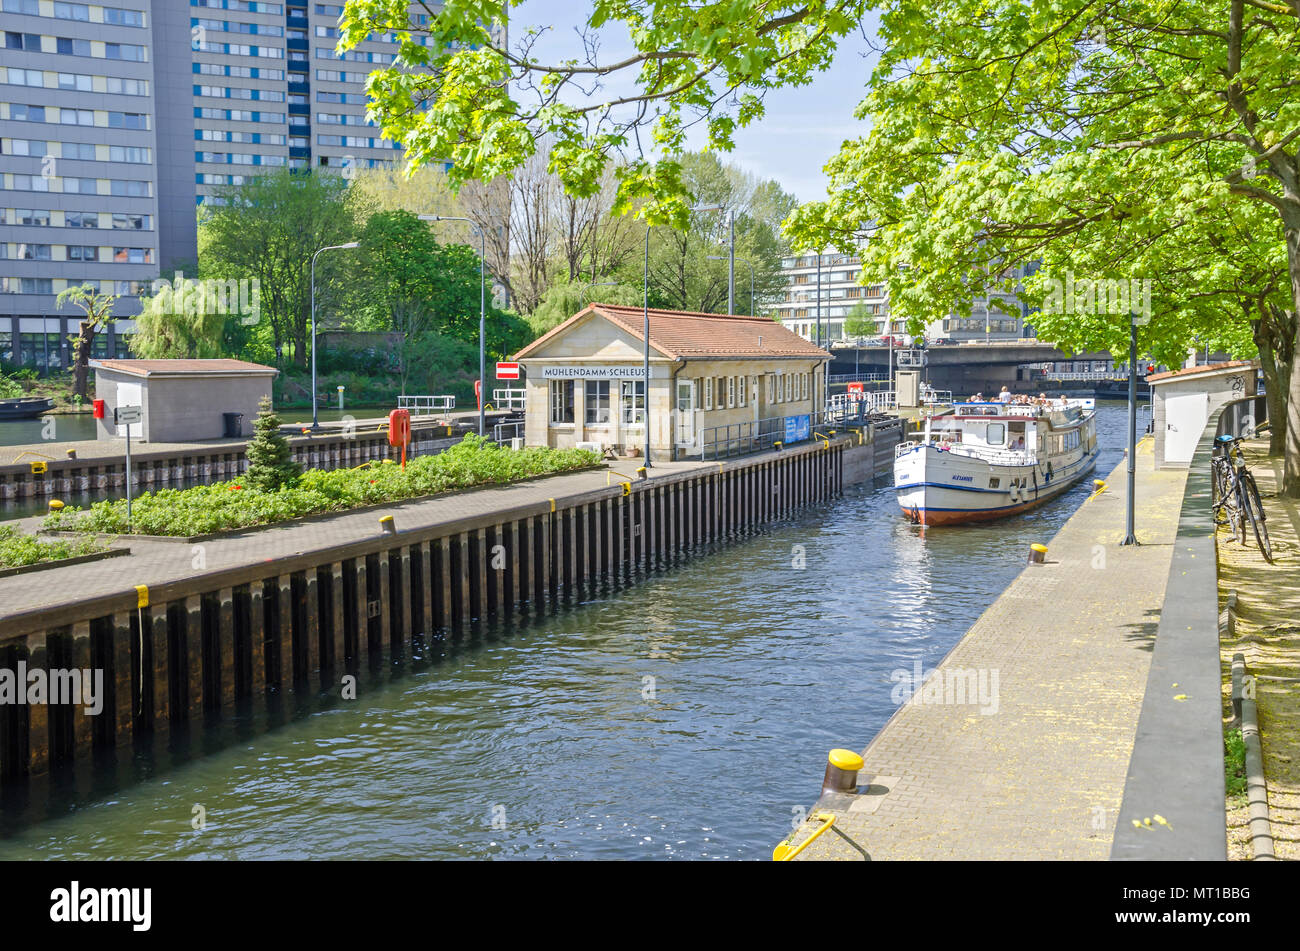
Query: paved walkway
point(1268, 634)
point(155, 562)
point(1070, 643)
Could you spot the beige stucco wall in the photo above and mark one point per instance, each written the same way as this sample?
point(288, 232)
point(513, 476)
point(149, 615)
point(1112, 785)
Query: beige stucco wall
point(597, 343)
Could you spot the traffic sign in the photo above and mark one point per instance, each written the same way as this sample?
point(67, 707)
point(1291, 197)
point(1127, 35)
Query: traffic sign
point(507, 371)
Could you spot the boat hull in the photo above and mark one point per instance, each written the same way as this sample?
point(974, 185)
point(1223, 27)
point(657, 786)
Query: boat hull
point(25, 408)
point(935, 487)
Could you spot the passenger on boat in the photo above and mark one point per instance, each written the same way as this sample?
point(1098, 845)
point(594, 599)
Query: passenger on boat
point(1004, 396)
point(1020, 444)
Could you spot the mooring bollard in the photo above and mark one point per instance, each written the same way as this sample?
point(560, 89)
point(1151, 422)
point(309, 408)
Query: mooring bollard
point(841, 771)
point(1037, 554)
point(387, 525)
point(55, 505)
point(642, 472)
point(72, 453)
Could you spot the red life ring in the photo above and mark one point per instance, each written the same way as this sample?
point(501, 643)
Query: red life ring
point(399, 427)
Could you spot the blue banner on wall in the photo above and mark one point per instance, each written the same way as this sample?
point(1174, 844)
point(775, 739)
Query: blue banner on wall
point(797, 428)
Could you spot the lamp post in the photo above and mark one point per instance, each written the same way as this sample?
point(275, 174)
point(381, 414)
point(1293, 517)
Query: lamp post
point(482, 313)
point(315, 410)
point(723, 257)
point(1130, 538)
point(587, 287)
point(731, 257)
point(645, 333)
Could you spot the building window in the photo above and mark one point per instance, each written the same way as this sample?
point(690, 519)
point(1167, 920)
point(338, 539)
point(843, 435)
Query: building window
point(742, 394)
point(708, 392)
point(596, 402)
point(561, 401)
point(731, 392)
point(632, 402)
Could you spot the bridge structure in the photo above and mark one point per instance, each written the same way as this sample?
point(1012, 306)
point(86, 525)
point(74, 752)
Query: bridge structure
point(978, 367)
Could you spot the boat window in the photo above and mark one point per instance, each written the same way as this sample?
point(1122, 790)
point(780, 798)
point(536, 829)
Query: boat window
point(997, 434)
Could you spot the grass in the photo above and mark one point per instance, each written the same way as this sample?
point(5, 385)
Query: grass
point(19, 551)
point(1234, 765)
point(235, 504)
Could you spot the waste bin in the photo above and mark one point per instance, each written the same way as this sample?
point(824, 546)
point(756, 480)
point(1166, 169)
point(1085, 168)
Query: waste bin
point(234, 425)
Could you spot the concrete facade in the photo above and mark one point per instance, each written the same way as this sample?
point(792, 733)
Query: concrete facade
point(183, 400)
point(1004, 315)
point(1183, 400)
point(116, 120)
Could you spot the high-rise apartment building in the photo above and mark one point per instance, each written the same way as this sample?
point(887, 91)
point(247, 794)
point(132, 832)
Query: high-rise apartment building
point(840, 294)
point(117, 120)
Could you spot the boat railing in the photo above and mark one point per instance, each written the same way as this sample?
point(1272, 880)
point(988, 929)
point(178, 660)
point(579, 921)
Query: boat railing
point(1001, 457)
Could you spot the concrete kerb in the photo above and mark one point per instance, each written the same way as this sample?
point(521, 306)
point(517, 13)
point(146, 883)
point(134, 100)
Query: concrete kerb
point(1176, 770)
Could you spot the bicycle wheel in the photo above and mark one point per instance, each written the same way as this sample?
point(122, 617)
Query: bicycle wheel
point(1219, 486)
point(1255, 515)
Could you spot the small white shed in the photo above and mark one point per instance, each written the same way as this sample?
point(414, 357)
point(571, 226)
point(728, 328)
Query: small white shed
point(1183, 400)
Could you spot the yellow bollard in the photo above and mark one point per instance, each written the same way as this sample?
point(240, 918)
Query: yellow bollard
point(1037, 554)
point(55, 505)
point(841, 771)
point(387, 525)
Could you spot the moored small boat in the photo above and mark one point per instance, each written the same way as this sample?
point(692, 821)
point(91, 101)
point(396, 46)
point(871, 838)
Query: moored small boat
point(25, 407)
point(989, 460)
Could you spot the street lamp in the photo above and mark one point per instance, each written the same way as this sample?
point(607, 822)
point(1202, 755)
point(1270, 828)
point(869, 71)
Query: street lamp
point(723, 257)
point(731, 243)
point(315, 417)
point(482, 313)
point(645, 331)
point(587, 287)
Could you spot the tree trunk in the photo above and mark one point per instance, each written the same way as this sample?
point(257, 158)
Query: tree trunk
point(81, 368)
point(1291, 454)
point(1274, 361)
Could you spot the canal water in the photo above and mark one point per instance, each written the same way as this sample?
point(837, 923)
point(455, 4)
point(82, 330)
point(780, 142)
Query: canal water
point(686, 717)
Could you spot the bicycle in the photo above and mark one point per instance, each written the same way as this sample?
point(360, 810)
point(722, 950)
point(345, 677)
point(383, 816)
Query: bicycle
point(1236, 497)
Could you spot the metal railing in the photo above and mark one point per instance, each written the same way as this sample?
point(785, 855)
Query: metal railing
point(504, 434)
point(931, 396)
point(1086, 375)
point(1002, 457)
point(426, 405)
point(512, 399)
point(719, 442)
point(835, 379)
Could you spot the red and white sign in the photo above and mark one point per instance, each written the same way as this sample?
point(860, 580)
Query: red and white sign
point(507, 371)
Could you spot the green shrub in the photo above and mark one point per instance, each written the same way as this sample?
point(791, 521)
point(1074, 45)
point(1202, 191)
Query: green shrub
point(18, 551)
point(239, 504)
point(1234, 764)
point(270, 463)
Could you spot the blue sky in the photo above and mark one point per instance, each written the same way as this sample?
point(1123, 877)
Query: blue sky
point(803, 127)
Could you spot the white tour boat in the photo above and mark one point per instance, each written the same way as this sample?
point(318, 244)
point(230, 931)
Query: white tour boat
point(987, 460)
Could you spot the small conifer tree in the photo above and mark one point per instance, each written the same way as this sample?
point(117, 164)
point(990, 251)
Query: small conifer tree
point(270, 466)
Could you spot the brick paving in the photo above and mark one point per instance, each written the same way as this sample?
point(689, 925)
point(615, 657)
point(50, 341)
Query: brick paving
point(155, 562)
point(1268, 634)
point(1043, 776)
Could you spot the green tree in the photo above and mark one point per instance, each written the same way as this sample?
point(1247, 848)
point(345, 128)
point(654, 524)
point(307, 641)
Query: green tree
point(562, 301)
point(860, 322)
point(98, 309)
point(270, 464)
point(484, 105)
point(1006, 131)
point(267, 229)
point(176, 323)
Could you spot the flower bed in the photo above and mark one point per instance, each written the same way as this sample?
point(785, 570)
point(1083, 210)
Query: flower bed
point(22, 551)
point(231, 505)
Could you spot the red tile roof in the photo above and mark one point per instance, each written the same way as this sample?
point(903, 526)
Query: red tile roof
point(682, 333)
point(183, 367)
point(1206, 368)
